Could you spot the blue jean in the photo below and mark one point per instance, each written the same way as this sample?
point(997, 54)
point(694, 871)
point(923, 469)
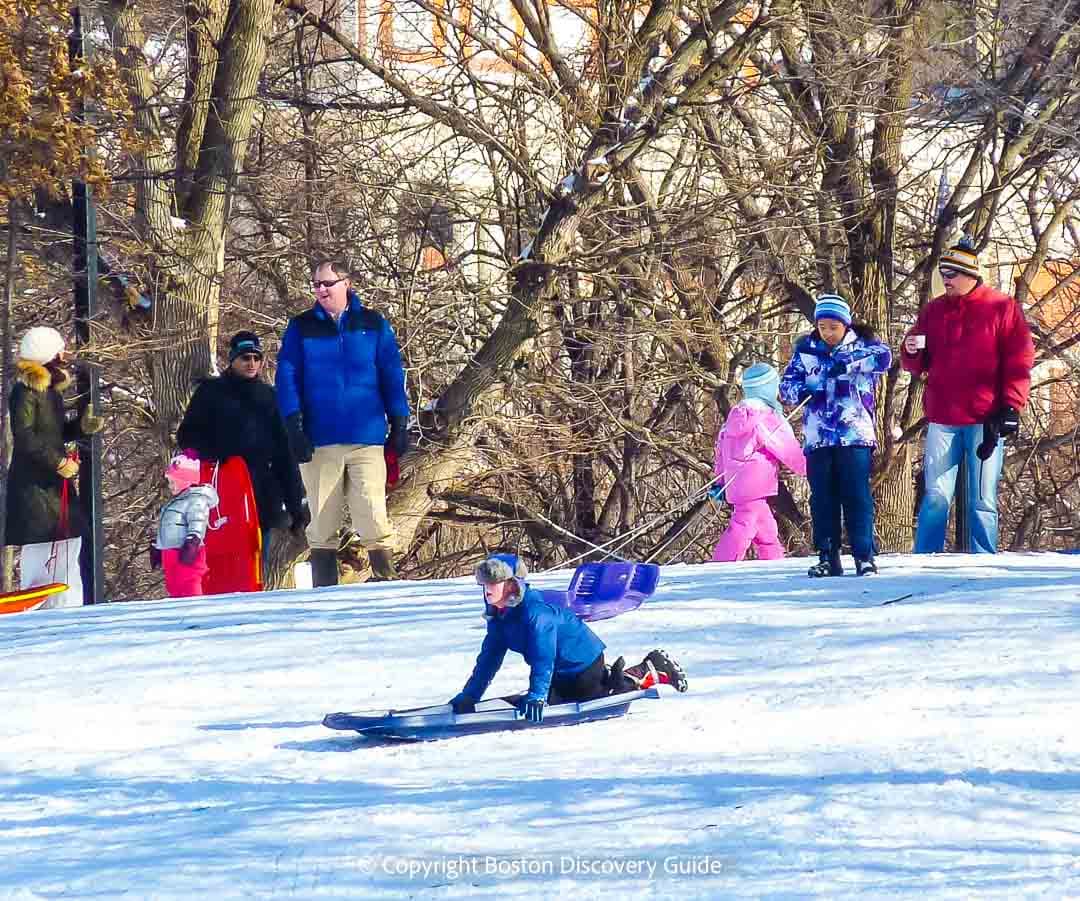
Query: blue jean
point(840, 480)
point(945, 446)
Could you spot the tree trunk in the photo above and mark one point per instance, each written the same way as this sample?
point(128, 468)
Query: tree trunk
point(423, 477)
point(191, 254)
point(876, 276)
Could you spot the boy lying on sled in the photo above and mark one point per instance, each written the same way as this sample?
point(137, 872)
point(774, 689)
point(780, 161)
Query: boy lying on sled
point(565, 656)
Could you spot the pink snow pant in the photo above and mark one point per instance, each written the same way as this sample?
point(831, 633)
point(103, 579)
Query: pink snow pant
point(751, 522)
point(184, 580)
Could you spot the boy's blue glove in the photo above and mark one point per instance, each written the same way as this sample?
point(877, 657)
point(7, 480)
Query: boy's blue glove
point(716, 492)
point(532, 708)
point(462, 703)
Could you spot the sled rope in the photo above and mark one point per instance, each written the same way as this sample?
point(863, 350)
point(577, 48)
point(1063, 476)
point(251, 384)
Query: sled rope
point(216, 524)
point(854, 359)
point(726, 484)
point(63, 528)
point(620, 541)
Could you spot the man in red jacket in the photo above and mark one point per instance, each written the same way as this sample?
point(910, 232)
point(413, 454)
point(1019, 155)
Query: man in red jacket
point(974, 348)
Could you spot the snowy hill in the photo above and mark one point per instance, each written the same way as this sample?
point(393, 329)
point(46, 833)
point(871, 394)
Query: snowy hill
point(911, 734)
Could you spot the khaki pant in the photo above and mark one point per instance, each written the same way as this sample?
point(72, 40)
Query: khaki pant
point(347, 472)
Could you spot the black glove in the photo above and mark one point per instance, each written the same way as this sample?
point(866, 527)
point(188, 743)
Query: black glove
point(532, 709)
point(190, 549)
point(301, 519)
point(463, 704)
point(298, 439)
point(835, 368)
point(990, 439)
point(817, 395)
point(1008, 421)
point(399, 435)
point(155, 557)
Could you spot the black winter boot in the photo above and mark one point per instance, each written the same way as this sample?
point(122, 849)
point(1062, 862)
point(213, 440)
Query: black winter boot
point(865, 567)
point(666, 665)
point(382, 565)
point(616, 681)
point(828, 564)
point(658, 668)
point(323, 567)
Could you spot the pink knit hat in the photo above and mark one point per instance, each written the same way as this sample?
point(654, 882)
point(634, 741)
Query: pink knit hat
point(183, 471)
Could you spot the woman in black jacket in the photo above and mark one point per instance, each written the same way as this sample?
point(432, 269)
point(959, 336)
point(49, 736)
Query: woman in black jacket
point(236, 415)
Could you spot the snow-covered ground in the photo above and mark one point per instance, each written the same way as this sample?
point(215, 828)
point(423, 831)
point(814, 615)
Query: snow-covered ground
point(832, 743)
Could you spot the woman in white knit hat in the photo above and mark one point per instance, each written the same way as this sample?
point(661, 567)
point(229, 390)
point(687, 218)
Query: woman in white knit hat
point(48, 529)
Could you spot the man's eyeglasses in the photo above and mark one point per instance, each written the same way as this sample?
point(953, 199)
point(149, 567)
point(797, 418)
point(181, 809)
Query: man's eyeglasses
point(250, 358)
point(326, 284)
point(949, 273)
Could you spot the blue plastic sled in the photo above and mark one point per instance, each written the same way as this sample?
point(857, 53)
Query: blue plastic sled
point(603, 590)
point(495, 715)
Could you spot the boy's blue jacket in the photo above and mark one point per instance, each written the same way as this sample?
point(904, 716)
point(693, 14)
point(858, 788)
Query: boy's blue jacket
point(840, 384)
point(344, 377)
point(553, 641)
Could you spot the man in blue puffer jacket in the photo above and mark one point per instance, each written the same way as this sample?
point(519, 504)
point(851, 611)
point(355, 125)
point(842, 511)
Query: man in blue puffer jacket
point(565, 657)
point(339, 380)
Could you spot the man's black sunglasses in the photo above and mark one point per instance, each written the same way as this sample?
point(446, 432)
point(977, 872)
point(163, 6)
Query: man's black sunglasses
point(327, 284)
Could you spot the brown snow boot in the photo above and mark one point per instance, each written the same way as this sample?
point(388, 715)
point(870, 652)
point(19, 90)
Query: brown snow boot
point(382, 565)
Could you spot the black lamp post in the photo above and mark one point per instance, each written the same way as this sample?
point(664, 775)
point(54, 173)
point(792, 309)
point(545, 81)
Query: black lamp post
point(85, 271)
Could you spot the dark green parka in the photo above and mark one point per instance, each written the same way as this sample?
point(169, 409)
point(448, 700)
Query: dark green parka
point(38, 431)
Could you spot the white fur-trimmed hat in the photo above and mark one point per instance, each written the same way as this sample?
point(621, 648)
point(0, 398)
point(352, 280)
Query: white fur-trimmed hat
point(41, 344)
point(503, 568)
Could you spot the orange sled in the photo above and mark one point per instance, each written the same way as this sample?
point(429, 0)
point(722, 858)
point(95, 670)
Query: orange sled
point(29, 598)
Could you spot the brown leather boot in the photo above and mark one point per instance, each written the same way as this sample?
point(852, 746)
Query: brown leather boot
point(382, 565)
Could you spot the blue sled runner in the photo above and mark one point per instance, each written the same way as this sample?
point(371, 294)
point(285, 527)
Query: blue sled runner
point(495, 715)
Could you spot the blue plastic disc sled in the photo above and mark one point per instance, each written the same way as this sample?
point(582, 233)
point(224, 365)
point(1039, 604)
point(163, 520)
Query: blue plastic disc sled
point(603, 590)
point(495, 715)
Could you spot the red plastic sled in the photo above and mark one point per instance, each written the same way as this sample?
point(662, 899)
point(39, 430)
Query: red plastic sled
point(29, 598)
point(233, 539)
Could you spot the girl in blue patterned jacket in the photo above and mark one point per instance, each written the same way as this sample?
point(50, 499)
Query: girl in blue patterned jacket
point(835, 369)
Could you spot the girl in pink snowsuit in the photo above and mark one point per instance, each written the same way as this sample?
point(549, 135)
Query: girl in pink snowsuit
point(749, 448)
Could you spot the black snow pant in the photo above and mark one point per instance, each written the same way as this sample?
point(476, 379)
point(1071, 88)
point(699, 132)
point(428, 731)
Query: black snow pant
point(589, 684)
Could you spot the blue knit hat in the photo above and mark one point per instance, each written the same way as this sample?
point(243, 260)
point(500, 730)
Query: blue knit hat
point(761, 381)
point(832, 306)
